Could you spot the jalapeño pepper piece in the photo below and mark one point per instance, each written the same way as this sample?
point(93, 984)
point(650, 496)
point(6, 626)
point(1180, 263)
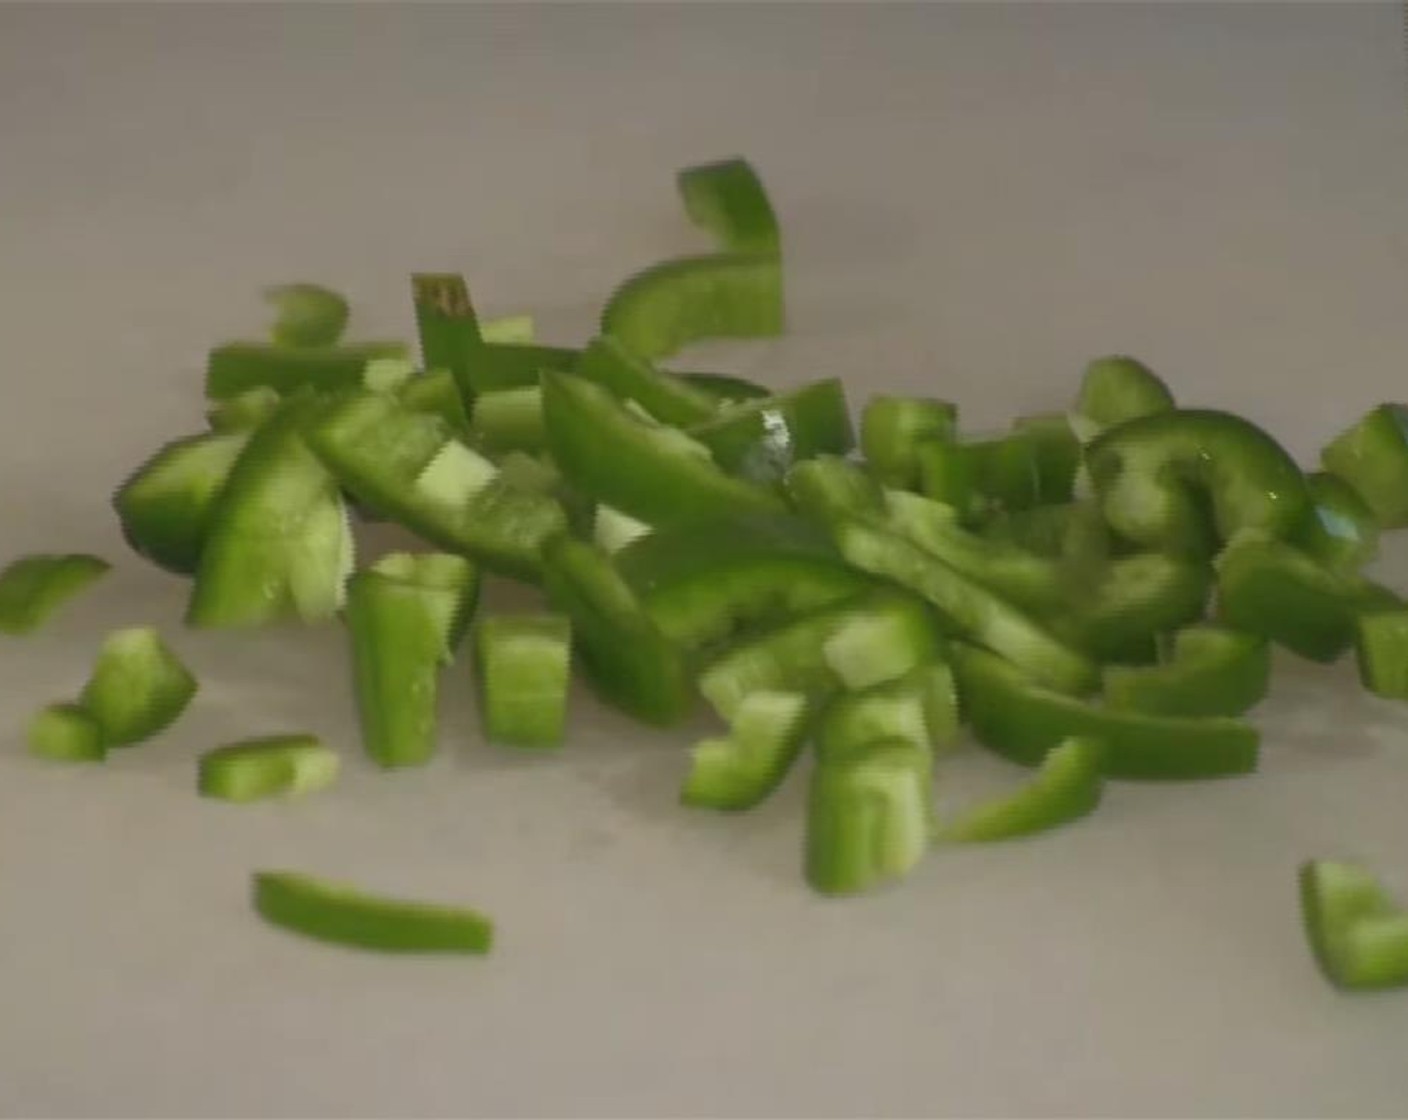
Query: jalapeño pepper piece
point(870, 817)
point(651, 472)
point(1213, 672)
point(667, 306)
point(1023, 721)
point(1158, 475)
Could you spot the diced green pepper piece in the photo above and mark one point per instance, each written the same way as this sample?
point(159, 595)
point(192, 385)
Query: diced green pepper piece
point(870, 817)
point(243, 411)
point(237, 367)
point(307, 315)
point(727, 199)
point(1158, 476)
point(702, 581)
point(1372, 456)
point(669, 305)
point(339, 913)
point(1381, 648)
point(653, 473)
point(629, 661)
point(138, 687)
point(669, 398)
point(1067, 786)
point(1342, 531)
point(762, 439)
point(406, 616)
point(270, 766)
point(854, 644)
point(33, 588)
point(891, 429)
point(1213, 672)
point(524, 664)
point(166, 506)
point(737, 772)
point(1118, 608)
point(920, 707)
point(970, 609)
point(1023, 721)
point(1358, 935)
point(509, 420)
point(1116, 389)
point(279, 543)
point(66, 733)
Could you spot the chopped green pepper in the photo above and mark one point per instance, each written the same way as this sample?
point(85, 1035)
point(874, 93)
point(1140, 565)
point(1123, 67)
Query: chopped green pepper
point(1342, 531)
point(669, 398)
point(509, 420)
point(307, 314)
point(1156, 474)
point(1119, 607)
point(1372, 456)
point(1381, 648)
point(727, 199)
point(1067, 786)
point(237, 367)
point(1023, 721)
point(1357, 933)
point(243, 411)
point(435, 392)
point(667, 306)
point(920, 707)
point(651, 472)
point(829, 488)
point(524, 664)
point(339, 913)
point(1116, 389)
point(138, 687)
point(762, 439)
point(891, 429)
point(766, 734)
point(1214, 672)
point(445, 320)
point(270, 766)
point(1056, 453)
point(33, 588)
point(66, 733)
point(870, 817)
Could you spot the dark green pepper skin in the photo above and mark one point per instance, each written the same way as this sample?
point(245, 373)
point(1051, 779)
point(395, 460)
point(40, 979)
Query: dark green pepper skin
point(1186, 480)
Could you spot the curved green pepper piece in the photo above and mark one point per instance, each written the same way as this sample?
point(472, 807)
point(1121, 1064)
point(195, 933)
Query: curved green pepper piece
point(1342, 531)
point(725, 388)
point(970, 609)
point(629, 661)
point(761, 440)
point(1024, 721)
point(307, 314)
point(1068, 784)
point(1154, 474)
point(728, 295)
point(741, 770)
point(666, 396)
point(727, 199)
point(653, 473)
point(33, 588)
point(1372, 456)
point(1116, 389)
point(1214, 672)
point(891, 429)
point(870, 817)
point(1119, 607)
point(920, 707)
point(1358, 935)
point(702, 581)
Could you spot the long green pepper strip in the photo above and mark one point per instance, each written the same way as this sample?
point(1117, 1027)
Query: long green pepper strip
point(237, 367)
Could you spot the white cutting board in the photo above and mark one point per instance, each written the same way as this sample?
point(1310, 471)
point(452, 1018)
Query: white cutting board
point(975, 201)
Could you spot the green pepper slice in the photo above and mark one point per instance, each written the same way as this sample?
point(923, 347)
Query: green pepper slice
point(237, 367)
point(891, 429)
point(1116, 389)
point(138, 687)
point(920, 707)
point(1381, 651)
point(725, 388)
point(1119, 607)
point(669, 398)
point(66, 733)
point(269, 766)
point(524, 667)
point(761, 440)
point(1023, 721)
point(1068, 784)
point(33, 588)
point(1342, 531)
point(1214, 671)
point(307, 314)
point(741, 770)
point(1358, 936)
point(1372, 456)
point(727, 198)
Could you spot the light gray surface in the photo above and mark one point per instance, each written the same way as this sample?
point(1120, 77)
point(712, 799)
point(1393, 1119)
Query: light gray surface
point(974, 203)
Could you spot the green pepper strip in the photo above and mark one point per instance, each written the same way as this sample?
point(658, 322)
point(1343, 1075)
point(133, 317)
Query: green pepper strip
point(828, 488)
point(1067, 786)
point(870, 817)
point(66, 733)
point(762, 439)
point(166, 506)
point(342, 914)
point(408, 466)
point(667, 306)
point(629, 661)
point(1381, 650)
point(509, 420)
point(1372, 456)
point(445, 321)
point(270, 766)
point(981, 477)
point(727, 199)
point(237, 367)
point(524, 666)
point(656, 474)
point(1116, 389)
point(668, 397)
point(1023, 721)
point(1056, 453)
point(33, 588)
point(1358, 935)
point(702, 581)
point(920, 707)
point(1214, 672)
point(307, 314)
point(406, 616)
point(766, 736)
point(435, 392)
point(279, 543)
point(1342, 532)
point(138, 687)
point(891, 429)
point(970, 609)
point(1153, 475)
